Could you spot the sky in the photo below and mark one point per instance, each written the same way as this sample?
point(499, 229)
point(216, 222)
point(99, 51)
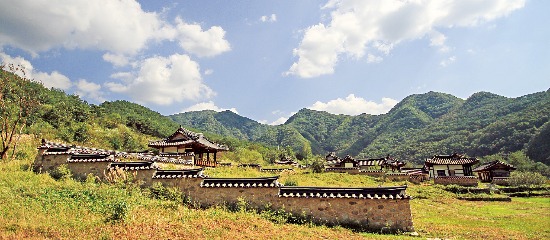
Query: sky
point(266, 60)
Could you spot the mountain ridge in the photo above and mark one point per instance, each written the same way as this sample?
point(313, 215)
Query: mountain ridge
point(433, 122)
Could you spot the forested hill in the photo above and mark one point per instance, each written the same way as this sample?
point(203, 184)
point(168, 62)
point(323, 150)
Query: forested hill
point(420, 126)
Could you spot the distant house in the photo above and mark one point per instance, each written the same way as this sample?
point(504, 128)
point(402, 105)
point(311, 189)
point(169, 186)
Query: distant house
point(487, 171)
point(286, 160)
point(449, 165)
point(184, 142)
point(348, 162)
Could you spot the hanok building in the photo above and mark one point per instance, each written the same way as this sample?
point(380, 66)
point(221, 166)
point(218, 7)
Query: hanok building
point(183, 142)
point(449, 165)
point(348, 162)
point(495, 169)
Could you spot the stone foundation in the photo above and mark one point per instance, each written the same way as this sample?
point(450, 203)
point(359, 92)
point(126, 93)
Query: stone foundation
point(467, 181)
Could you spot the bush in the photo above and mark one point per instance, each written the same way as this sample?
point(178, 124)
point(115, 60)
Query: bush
point(526, 179)
point(291, 182)
point(158, 191)
point(119, 212)
point(317, 166)
point(61, 172)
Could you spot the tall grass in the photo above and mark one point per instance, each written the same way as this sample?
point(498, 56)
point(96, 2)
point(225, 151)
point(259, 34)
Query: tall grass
point(38, 206)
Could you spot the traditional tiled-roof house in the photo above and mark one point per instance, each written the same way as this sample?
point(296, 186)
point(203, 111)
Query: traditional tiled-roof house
point(449, 165)
point(183, 142)
point(347, 162)
point(487, 171)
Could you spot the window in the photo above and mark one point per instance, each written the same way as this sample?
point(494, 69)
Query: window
point(440, 172)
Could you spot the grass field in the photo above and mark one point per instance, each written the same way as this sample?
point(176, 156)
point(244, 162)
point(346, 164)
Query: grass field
point(36, 206)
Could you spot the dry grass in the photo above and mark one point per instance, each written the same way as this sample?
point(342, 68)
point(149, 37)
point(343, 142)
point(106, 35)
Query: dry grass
point(35, 206)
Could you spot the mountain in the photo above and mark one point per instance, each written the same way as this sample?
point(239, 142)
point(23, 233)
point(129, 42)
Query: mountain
point(419, 126)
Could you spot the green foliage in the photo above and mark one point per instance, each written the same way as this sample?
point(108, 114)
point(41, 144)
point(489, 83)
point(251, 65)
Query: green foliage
point(521, 161)
point(158, 191)
point(291, 182)
point(317, 166)
point(526, 179)
point(136, 117)
point(61, 173)
point(119, 211)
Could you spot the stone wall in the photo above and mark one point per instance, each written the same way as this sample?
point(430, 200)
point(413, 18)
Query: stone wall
point(467, 181)
point(351, 170)
point(50, 162)
point(396, 177)
point(372, 173)
point(365, 214)
point(80, 170)
point(418, 178)
point(377, 212)
point(502, 181)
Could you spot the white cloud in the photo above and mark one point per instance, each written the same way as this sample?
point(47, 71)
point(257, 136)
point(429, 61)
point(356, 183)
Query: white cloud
point(53, 80)
point(271, 18)
point(447, 61)
point(282, 119)
point(89, 90)
point(116, 26)
point(208, 71)
point(358, 27)
point(118, 60)
point(49, 80)
point(201, 43)
point(208, 106)
point(373, 59)
point(119, 27)
point(353, 105)
point(438, 40)
point(163, 81)
point(279, 121)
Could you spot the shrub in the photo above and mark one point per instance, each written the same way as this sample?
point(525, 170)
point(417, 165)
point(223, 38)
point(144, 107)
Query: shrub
point(317, 166)
point(61, 172)
point(119, 211)
point(291, 182)
point(158, 191)
point(527, 179)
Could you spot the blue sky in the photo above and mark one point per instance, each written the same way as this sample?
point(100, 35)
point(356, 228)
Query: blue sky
point(266, 60)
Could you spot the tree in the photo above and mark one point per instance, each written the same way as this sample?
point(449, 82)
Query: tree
point(18, 101)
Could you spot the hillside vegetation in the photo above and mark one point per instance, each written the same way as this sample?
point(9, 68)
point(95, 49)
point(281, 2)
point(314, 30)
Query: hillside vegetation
point(37, 206)
point(416, 128)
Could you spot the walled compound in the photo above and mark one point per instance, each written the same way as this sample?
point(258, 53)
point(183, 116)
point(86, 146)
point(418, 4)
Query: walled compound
point(372, 209)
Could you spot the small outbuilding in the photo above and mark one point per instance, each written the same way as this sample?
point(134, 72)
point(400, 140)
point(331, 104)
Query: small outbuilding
point(487, 171)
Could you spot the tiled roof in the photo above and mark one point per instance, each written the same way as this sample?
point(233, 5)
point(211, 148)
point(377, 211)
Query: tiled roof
point(371, 162)
point(183, 173)
point(249, 165)
point(412, 171)
point(493, 164)
point(340, 168)
point(456, 177)
point(185, 154)
point(188, 138)
point(241, 182)
point(91, 158)
point(454, 159)
point(276, 169)
point(360, 193)
point(134, 165)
